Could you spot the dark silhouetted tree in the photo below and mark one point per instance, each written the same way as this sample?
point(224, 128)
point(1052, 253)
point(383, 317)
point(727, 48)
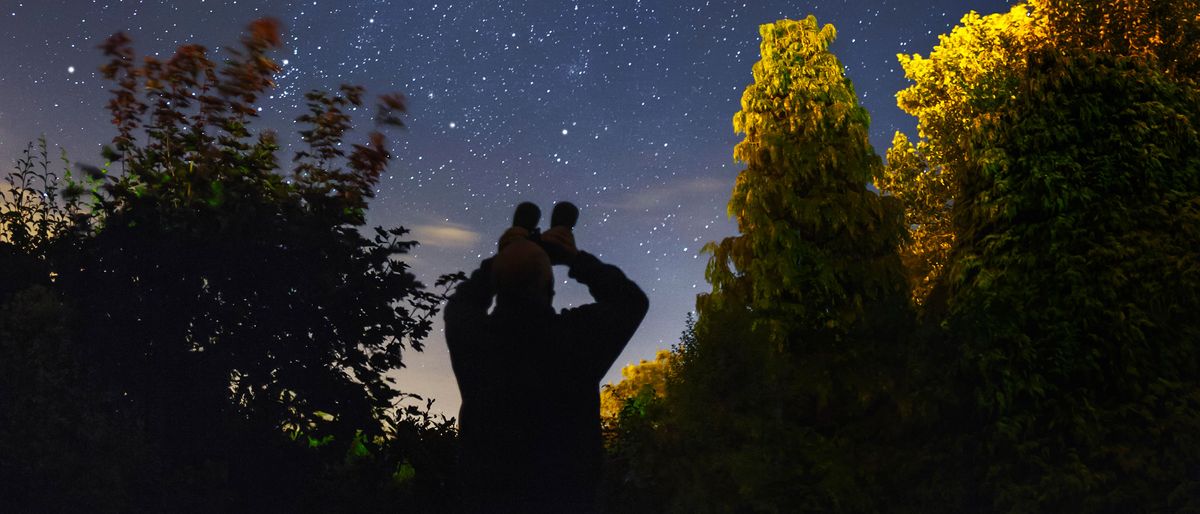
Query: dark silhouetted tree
point(222, 304)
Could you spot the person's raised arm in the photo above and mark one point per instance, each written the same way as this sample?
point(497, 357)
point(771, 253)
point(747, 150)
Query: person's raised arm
point(602, 328)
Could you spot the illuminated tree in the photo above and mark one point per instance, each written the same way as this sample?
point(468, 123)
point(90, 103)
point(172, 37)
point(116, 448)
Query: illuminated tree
point(973, 71)
point(816, 247)
point(641, 435)
point(644, 378)
point(1063, 134)
point(954, 91)
point(1074, 283)
point(797, 345)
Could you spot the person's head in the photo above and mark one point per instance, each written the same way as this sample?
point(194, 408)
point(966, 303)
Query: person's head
point(522, 270)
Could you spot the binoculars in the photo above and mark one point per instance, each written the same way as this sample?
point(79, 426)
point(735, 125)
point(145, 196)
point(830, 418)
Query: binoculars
point(527, 215)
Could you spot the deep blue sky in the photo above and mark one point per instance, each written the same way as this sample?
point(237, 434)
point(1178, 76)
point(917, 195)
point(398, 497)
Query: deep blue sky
point(623, 107)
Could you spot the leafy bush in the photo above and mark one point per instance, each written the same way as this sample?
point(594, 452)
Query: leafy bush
point(201, 304)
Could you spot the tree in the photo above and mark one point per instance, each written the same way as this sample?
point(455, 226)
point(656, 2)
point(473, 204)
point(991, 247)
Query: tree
point(812, 235)
point(646, 378)
point(266, 291)
point(222, 305)
point(641, 435)
point(1063, 134)
point(1073, 281)
point(49, 413)
point(797, 351)
point(953, 92)
point(975, 69)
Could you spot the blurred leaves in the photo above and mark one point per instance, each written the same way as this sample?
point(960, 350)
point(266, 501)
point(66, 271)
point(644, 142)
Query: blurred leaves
point(219, 303)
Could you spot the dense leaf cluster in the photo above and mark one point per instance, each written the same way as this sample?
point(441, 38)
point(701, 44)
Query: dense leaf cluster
point(1074, 286)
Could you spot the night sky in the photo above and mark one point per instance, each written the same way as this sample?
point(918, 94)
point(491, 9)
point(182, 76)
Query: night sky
point(622, 107)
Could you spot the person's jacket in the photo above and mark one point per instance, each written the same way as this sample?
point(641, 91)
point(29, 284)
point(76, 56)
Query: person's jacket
point(529, 377)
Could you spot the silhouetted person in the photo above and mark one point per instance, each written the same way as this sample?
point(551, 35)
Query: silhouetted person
point(529, 377)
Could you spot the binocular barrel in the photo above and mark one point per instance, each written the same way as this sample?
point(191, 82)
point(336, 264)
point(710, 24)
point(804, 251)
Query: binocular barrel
point(527, 216)
point(565, 214)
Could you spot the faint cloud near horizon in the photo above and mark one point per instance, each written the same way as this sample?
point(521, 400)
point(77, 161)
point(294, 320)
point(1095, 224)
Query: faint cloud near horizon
point(445, 236)
point(670, 194)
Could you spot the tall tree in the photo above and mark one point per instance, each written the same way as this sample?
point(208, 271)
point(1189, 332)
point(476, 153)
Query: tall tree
point(974, 70)
point(1073, 283)
point(1064, 134)
point(816, 247)
point(797, 345)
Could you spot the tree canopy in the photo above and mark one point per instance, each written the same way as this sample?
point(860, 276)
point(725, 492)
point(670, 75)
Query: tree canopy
point(1051, 206)
point(797, 337)
point(220, 302)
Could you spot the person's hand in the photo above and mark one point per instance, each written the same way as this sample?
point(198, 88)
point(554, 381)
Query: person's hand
point(510, 235)
point(560, 244)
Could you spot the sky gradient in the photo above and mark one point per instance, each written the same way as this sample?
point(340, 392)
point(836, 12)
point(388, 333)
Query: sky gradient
point(622, 107)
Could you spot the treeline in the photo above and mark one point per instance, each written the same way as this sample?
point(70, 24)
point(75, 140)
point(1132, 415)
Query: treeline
point(197, 327)
point(1008, 326)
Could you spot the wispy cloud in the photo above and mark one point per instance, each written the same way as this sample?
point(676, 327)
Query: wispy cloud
point(445, 236)
point(670, 194)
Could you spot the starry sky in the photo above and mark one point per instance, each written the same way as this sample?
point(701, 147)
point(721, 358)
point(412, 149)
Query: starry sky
point(623, 107)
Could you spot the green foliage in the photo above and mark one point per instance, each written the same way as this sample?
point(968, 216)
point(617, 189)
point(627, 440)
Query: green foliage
point(974, 71)
point(924, 192)
point(643, 468)
point(816, 246)
point(954, 90)
point(1059, 139)
point(1075, 283)
point(407, 467)
point(782, 402)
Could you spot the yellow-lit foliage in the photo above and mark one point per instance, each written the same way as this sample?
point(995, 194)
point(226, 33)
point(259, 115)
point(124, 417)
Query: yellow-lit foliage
point(636, 378)
point(924, 194)
point(1051, 201)
point(1164, 31)
point(964, 83)
point(801, 332)
point(802, 203)
point(954, 91)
